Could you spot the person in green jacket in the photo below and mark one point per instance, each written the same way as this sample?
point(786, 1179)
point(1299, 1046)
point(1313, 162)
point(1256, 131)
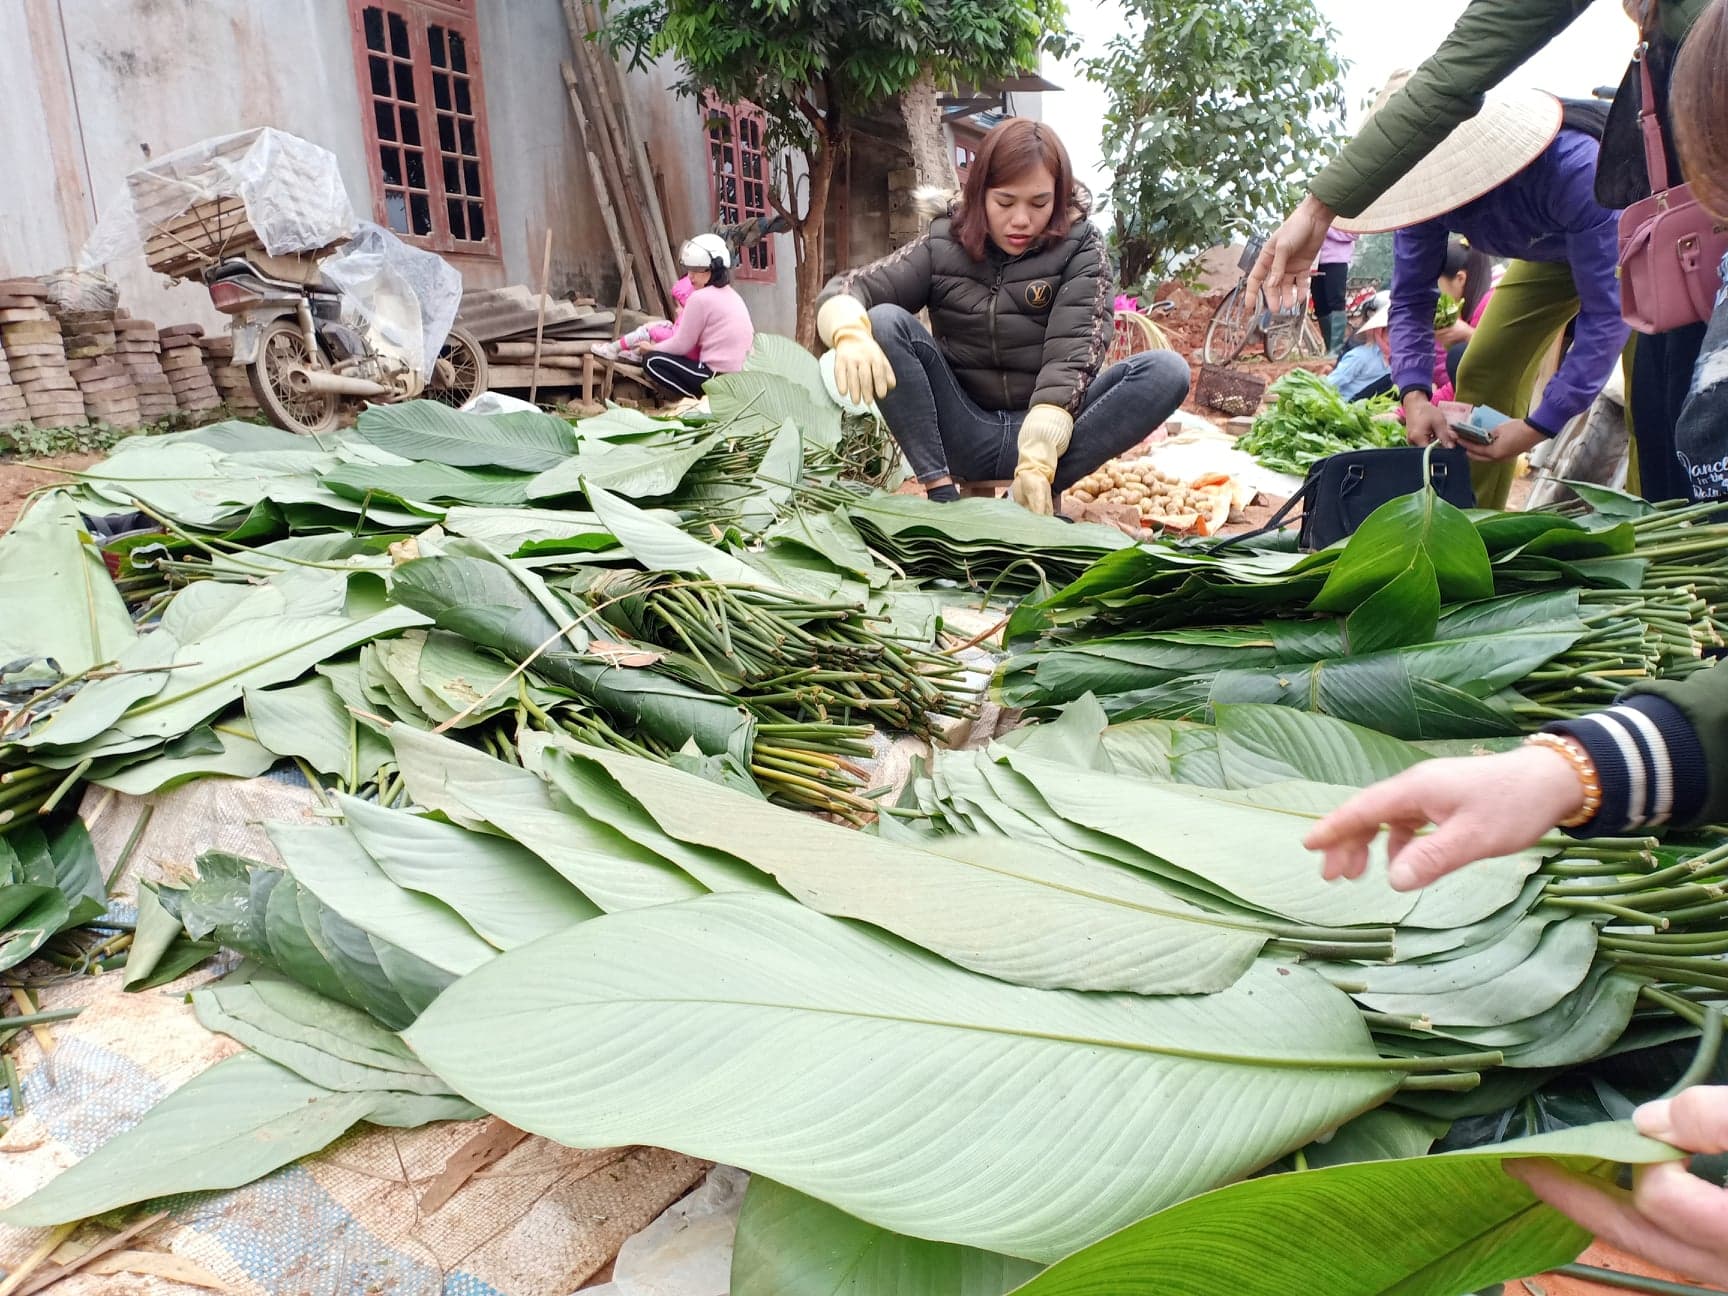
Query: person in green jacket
point(1490, 41)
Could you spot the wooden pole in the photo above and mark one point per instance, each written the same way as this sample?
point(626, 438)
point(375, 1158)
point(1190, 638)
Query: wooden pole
point(654, 250)
point(640, 163)
point(602, 194)
point(630, 209)
point(540, 317)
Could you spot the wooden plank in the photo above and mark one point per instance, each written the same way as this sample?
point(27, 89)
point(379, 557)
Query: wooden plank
point(524, 376)
point(550, 350)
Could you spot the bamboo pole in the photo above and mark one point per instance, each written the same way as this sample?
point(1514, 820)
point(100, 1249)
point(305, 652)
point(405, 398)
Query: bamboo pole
point(540, 316)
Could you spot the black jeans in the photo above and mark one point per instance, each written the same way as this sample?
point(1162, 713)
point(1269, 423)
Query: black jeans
point(1330, 288)
point(945, 433)
point(677, 374)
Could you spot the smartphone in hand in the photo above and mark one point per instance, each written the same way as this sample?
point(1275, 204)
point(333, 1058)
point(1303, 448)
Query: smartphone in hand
point(1478, 426)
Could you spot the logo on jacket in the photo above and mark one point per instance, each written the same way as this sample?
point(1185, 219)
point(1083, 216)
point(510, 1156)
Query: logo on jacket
point(1039, 294)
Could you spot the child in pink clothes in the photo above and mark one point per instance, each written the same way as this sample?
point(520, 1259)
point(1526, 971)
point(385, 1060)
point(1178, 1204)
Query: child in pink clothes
point(633, 342)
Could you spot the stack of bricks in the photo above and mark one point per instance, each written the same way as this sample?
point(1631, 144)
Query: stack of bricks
point(12, 406)
point(183, 362)
point(110, 395)
point(233, 384)
point(36, 356)
point(139, 349)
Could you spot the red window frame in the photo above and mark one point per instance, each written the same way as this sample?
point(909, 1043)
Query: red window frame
point(739, 177)
point(424, 110)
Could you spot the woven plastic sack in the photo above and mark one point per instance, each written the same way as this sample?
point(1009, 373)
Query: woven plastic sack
point(291, 189)
point(407, 297)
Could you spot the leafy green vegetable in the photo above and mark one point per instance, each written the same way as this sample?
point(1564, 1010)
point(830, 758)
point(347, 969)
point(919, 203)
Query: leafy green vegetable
point(1312, 420)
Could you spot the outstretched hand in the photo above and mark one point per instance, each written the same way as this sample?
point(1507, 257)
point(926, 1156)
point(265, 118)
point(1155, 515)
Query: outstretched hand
point(1481, 807)
point(1671, 1216)
point(1289, 255)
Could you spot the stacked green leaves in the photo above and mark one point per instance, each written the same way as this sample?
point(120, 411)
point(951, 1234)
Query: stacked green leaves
point(1121, 918)
point(1427, 623)
point(1310, 419)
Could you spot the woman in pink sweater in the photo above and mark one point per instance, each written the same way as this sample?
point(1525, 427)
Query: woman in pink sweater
point(714, 334)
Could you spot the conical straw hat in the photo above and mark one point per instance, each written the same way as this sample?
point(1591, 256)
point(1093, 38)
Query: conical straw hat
point(1514, 128)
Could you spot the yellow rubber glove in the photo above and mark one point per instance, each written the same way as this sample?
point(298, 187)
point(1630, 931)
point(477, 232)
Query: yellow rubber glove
point(861, 370)
point(1043, 437)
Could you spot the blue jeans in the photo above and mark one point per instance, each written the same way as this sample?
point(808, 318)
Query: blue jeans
point(944, 433)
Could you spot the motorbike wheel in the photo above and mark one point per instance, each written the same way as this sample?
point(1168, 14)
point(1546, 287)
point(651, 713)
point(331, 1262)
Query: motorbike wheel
point(281, 347)
point(467, 372)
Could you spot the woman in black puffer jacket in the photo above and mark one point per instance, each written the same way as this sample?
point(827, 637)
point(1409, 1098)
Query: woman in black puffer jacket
point(1020, 295)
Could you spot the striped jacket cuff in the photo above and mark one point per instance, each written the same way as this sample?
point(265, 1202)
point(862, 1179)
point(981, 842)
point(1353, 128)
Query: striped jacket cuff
point(1650, 761)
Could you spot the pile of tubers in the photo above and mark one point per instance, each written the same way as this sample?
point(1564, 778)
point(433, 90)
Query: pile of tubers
point(1163, 502)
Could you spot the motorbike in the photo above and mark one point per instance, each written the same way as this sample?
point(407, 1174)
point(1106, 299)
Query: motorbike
point(306, 349)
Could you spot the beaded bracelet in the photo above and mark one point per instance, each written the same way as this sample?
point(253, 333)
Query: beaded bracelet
point(1583, 767)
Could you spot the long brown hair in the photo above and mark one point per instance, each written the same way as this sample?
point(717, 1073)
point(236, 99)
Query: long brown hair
point(1011, 150)
point(1698, 107)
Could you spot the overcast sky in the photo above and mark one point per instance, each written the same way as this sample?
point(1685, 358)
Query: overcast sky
point(1376, 36)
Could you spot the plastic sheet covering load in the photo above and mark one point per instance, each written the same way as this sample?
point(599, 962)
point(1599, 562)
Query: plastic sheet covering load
point(407, 297)
point(381, 1210)
point(263, 189)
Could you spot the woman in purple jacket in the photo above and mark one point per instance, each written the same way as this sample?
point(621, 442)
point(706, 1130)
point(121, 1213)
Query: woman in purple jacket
point(1518, 182)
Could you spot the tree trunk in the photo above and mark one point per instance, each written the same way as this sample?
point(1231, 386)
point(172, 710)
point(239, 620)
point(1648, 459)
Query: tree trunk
point(932, 159)
point(811, 236)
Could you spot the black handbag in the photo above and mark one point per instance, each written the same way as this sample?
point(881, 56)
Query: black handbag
point(1341, 490)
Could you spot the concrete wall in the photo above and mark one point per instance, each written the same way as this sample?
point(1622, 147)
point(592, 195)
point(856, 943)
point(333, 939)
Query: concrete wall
point(91, 89)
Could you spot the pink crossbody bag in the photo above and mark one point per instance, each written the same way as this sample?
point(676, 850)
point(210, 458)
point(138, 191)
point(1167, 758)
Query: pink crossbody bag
point(1671, 249)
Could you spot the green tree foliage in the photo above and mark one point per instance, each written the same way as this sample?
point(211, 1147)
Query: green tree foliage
point(1218, 112)
point(815, 67)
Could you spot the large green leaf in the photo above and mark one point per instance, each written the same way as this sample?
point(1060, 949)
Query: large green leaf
point(1390, 542)
point(525, 440)
point(769, 400)
point(424, 486)
point(1428, 1226)
point(894, 1085)
point(331, 863)
point(349, 1053)
point(1251, 851)
point(58, 598)
point(232, 752)
point(660, 546)
point(788, 1243)
point(502, 890)
point(493, 603)
point(514, 530)
point(249, 638)
point(477, 790)
point(634, 471)
point(1024, 914)
point(236, 1122)
point(308, 720)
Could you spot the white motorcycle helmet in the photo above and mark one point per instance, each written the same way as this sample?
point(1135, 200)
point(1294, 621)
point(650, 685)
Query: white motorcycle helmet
point(705, 252)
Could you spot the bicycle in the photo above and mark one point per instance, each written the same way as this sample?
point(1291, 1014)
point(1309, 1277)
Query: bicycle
point(1237, 320)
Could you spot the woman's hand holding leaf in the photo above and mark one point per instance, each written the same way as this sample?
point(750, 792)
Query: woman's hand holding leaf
point(1671, 1216)
point(1424, 423)
point(1482, 807)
